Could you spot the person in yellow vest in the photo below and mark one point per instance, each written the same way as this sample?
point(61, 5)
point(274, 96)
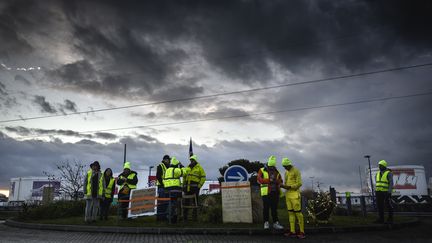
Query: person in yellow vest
point(160, 173)
point(194, 178)
point(173, 188)
point(292, 185)
point(270, 180)
point(127, 181)
point(384, 188)
point(108, 194)
point(93, 191)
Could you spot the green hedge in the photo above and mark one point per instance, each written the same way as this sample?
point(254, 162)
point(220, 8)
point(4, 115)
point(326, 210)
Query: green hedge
point(57, 209)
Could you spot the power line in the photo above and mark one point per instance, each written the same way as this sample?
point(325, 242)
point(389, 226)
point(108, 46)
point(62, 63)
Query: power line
point(253, 114)
point(225, 93)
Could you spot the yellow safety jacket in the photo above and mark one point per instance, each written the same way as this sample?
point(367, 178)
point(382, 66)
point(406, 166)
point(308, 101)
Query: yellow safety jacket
point(89, 185)
point(130, 177)
point(196, 175)
point(264, 187)
point(164, 168)
point(293, 179)
point(382, 183)
point(172, 177)
point(109, 189)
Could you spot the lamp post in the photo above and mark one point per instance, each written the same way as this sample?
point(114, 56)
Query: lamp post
point(312, 177)
point(150, 169)
point(371, 182)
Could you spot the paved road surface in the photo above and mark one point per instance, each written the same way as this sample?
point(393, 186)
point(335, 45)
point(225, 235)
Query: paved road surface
point(420, 233)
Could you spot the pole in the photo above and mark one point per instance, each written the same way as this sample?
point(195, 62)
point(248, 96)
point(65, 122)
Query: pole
point(361, 183)
point(124, 154)
point(371, 182)
point(312, 182)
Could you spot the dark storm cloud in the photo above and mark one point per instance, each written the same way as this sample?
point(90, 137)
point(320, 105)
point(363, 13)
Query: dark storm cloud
point(12, 42)
point(147, 138)
point(45, 106)
point(69, 105)
point(22, 79)
point(105, 135)
point(23, 131)
point(339, 169)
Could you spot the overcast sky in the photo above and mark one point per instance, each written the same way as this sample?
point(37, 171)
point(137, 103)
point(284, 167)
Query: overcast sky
point(62, 57)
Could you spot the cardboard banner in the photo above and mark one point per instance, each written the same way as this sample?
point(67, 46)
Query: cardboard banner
point(142, 202)
point(236, 202)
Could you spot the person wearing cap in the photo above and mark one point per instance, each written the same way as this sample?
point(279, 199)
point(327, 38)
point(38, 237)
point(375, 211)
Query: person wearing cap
point(173, 188)
point(194, 178)
point(270, 180)
point(127, 181)
point(384, 188)
point(160, 174)
point(292, 185)
point(94, 185)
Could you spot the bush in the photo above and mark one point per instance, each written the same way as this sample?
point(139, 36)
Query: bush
point(211, 210)
point(57, 209)
point(320, 209)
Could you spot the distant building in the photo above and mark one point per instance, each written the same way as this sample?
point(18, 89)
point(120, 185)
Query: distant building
point(25, 189)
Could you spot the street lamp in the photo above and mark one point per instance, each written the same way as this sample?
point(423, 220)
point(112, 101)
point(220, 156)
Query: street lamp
point(312, 177)
point(150, 169)
point(371, 183)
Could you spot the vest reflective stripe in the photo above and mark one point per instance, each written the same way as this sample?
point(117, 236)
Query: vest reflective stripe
point(130, 177)
point(109, 188)
point(89, 188)
point(382, 183)
point(264, 187)
point(164, 168)
point(172, 180)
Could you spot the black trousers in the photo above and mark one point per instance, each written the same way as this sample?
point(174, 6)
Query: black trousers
point(194, 190)
point(124, 205)
point(105, 206)
point(174, 204)
point(270, 202)
point(384, 200)
point(161, 205)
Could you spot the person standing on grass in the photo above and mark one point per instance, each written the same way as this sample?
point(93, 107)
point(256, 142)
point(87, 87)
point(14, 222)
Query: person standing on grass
point(270, 181)
point(94, 191)
point(127, 181)
point(173, 189)
point(160, 174)
point(292, 184)
point(194, 178)
point(383, 191)
point(108, 195)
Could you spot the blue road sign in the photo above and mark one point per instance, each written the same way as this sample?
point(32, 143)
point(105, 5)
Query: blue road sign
point(236, 173)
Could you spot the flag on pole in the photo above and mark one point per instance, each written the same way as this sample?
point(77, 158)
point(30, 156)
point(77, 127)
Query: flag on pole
point(190, 147)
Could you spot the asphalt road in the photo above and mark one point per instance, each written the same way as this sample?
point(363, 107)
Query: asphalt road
point(420, 233)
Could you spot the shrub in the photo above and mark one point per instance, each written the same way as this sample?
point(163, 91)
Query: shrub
point(211, 210)
point(320, 209)
point(57, 209)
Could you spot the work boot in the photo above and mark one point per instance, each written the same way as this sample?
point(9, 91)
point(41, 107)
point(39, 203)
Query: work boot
point(290, 234)
point(277, 226)
point(266, 225)
point(301, 235)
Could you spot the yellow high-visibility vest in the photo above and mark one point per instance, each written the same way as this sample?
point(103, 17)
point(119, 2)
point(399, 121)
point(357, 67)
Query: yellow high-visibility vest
point(89, 186)
point(164, 168)
point(172, 177)
point(382, 183)
point(109, 188)
point(130, 177)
